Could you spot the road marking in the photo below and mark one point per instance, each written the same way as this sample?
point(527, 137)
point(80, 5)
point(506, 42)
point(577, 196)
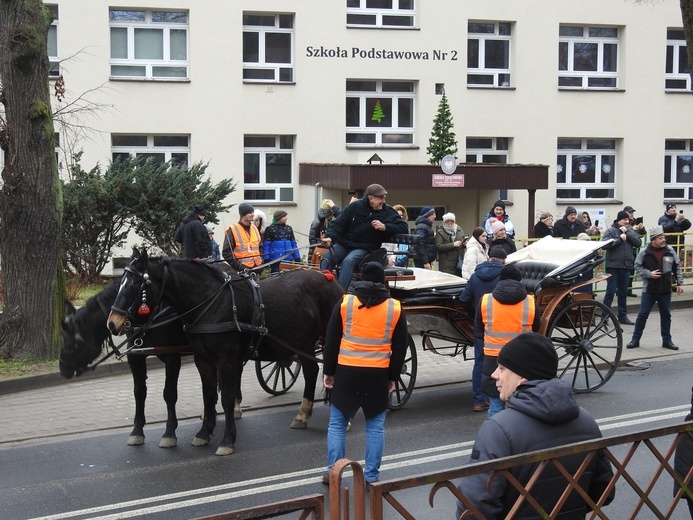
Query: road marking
point(198, 497)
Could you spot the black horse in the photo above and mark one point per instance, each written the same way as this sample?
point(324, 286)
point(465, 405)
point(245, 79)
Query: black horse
point(84, 333)
point(228, 317)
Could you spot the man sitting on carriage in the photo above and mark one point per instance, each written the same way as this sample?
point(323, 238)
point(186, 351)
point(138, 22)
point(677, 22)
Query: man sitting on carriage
point(360, 229)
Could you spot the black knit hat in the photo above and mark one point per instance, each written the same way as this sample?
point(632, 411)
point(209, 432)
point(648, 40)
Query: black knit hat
point(245, 208)
point(498, 252)
point(510, 272)
point(621, 215)
point(199, 209)
point(530, 355)
point(373, 272)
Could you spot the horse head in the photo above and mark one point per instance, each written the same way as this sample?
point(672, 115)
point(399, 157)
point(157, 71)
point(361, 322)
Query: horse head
point(134, 299)
point(84, 332)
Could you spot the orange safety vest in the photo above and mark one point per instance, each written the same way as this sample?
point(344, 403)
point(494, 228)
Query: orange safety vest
point(246, 245)
point(367, 332)
point(504, 322)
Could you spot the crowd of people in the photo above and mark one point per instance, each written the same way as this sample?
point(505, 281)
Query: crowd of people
point(514, 377)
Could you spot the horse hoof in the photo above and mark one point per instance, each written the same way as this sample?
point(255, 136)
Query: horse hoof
point(237, 413)
point(197, 441)
point(349, 426)
point(223, 451)
point(297, 424)
point(135, 440)
point(168, 442)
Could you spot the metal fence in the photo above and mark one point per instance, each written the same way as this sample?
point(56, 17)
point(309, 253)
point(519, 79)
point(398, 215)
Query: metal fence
point(635, 495)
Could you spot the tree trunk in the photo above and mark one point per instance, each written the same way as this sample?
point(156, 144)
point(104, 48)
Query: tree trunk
point(29, 198)
point(687, 17)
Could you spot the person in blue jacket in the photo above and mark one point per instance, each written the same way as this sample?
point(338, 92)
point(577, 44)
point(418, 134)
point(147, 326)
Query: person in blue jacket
point(279, 241)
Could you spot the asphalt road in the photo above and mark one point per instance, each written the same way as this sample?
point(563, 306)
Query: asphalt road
point(95, 475)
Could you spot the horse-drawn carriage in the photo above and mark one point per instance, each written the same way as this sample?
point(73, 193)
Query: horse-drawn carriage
point(284, 317)
point(585, 332)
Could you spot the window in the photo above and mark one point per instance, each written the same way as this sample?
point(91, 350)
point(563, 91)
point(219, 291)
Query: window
point(54, 70)
point(162, 148)
point(678, 169)
point(268, 168)
point(149, 44)
point(588, 57)
point(677, 73)
point(380, 113)
point(268, 47)
point(380, 13)
point(586, 169)
point(488, 54)
point(492, 150)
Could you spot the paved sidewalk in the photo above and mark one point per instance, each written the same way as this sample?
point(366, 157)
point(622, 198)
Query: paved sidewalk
point(35, 407)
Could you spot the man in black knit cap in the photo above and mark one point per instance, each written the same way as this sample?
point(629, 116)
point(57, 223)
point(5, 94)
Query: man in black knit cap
point(541, 413)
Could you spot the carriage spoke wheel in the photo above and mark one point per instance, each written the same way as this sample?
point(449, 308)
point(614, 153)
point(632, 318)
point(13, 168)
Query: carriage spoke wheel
point(589, 341)
point(404, 385)
point(277, 377)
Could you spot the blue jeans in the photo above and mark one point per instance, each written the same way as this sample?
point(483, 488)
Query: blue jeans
point(617, 284)
point(495, 405)
point(479, 396)
point(647, 301)
point(375, 442)
point(348, 260)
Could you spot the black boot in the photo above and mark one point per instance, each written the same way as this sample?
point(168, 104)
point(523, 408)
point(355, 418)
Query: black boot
point(669, 345)
point(633, 344)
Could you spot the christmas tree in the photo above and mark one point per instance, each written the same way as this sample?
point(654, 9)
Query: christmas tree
point(442, 141)
point(378, 113)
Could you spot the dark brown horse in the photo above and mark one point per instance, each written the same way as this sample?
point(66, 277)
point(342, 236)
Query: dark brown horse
point(229, 317)
point(84, 333)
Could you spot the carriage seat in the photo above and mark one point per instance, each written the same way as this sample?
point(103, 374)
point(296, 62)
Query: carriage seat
point(533, 273)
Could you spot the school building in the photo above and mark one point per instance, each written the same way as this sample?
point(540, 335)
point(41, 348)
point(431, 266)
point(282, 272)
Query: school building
point(300, 100)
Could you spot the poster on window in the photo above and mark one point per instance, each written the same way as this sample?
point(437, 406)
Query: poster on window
point(594, 217)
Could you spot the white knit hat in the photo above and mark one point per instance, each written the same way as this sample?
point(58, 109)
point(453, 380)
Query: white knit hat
point(449, 216)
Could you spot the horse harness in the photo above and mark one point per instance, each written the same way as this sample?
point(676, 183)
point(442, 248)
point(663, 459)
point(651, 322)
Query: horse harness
point(257, 328)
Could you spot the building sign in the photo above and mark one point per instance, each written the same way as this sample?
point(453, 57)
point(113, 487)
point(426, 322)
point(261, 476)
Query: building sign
point(380, 54)
point(441, 180)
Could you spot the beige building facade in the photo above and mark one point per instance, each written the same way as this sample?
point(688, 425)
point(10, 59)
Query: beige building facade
point(597, 90)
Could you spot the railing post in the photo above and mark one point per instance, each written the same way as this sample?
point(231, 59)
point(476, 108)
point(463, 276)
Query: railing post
point(336, 504)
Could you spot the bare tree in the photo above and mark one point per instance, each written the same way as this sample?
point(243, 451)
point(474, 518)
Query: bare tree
point(687, 17)
point(30, 213)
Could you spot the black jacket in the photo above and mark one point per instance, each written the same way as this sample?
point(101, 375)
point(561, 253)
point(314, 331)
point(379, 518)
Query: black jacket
point(541, 230)
point(507, 243)
point(426, 252)
point(620, 254)
point(540, 414)
point(193, 234)
point(564, 229)
point(362, 387)
point(353, 229)
point(670, 225)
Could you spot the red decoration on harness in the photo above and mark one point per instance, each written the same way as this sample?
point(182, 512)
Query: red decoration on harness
point(143, 310)
point(328, 275)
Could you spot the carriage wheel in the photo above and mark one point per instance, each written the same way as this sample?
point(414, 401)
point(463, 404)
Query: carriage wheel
point(589, 341)
point(404, 385)
point(277, 377)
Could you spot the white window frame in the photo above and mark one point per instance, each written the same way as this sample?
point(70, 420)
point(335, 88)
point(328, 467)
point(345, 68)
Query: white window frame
point(273, 145)
point(53, 58)
point(153, 69)
point(400, 14)
point(483, 75)
point(395, 136)
point(676, 78)
point(678, 164)
point(477, 153)
point(588, 79)
point(151, 146)
point(274, 72)
point(593, 157)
